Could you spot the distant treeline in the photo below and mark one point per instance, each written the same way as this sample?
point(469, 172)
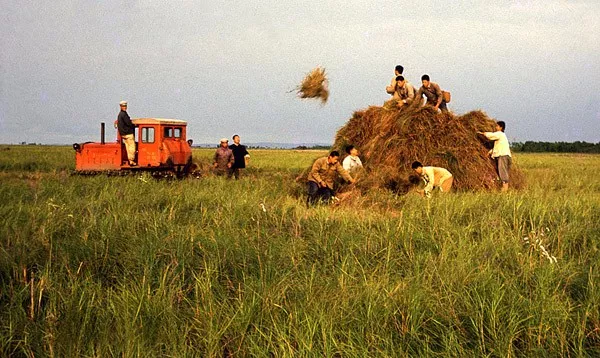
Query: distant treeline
point(529, 146)
point(320, 147)
point(556, 147)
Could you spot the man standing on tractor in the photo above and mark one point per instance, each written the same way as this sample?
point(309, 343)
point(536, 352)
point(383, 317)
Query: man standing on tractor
point(127, 132)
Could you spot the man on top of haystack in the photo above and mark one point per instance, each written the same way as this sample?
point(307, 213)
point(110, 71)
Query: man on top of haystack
point(433, 93)
point(405, 92)
point(392, 87)
point(402, 91)
point(322, 176)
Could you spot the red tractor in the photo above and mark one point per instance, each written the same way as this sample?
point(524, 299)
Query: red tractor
point(161, 148)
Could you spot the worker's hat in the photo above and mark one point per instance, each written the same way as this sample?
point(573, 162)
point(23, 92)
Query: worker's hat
point(123, 103)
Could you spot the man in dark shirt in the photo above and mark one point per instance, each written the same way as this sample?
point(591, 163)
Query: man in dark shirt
point(127, 131)
point(433, 93)
point(240, 153)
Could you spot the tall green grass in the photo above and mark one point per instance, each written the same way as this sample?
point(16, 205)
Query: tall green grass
point(130, 266)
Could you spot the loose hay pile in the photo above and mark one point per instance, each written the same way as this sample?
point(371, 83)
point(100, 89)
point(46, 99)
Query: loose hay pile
point(314, 85)
point(390, 140)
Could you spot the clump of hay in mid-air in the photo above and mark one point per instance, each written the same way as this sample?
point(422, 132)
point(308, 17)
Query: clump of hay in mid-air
point(314, 85)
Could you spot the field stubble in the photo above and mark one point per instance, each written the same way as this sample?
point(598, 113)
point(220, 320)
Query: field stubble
point(104, 266)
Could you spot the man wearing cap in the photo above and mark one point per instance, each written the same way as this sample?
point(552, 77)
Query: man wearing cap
point(223, 160)
point(127, 130)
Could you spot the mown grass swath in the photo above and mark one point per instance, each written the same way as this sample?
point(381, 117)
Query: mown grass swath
point(105, 266)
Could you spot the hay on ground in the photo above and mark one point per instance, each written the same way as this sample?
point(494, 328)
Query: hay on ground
point(314, 85)
point(390, 139)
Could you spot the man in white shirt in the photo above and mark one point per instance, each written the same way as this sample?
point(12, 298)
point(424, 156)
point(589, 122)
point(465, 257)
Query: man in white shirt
point(352, 161)
point(500, 152)
point(434, 177)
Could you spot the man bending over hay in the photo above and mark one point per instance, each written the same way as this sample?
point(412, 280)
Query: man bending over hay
point(434, 177)
point(322, 177)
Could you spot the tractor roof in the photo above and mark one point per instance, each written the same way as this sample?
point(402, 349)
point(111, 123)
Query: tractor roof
point(163, 121)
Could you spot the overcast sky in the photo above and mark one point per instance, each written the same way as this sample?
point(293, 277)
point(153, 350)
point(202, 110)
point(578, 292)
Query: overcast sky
point(228, 66)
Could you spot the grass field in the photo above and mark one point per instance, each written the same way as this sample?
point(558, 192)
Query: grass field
point(130, 266)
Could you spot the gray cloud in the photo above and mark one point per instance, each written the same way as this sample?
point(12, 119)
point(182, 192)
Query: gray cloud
point(229, 66)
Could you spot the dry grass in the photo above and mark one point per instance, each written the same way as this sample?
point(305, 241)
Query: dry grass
point(314, 85)
point(391, 139)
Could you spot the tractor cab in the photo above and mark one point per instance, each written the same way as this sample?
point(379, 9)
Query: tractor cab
point(160, 145)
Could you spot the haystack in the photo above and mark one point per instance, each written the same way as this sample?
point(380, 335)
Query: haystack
point(390, 139)
point(314, 85)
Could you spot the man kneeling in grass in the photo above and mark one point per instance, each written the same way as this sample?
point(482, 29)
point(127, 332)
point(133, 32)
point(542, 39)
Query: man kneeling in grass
point(322, 177)
point(434, 177)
